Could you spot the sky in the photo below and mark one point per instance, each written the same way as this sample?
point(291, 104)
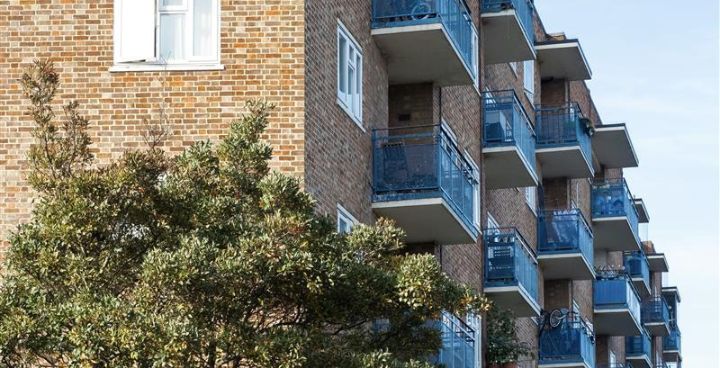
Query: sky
point(655, 67)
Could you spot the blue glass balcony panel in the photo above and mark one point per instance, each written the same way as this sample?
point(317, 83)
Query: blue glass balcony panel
point(615, 218)
point(637, 266)
point(617, 306)
point(656, 316)
point(568, 344)
point(507, 124)
point(420, 163)
point(458, 343)
point(559, 129)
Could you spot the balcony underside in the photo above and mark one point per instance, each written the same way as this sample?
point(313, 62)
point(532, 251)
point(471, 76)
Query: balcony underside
point(613, 147)
point(562, 60)
point(639, 360)
point(615, 322)
point(506, 167)
point(614, 234)
point(421, 53)
point(657, 328)
point(427, 221)
point(558, 162)
point(565, 266)
point(658, 263)
point(514, 298)
point(671, 355)
point(503, 38)
point(563, 364)
point(641, 286)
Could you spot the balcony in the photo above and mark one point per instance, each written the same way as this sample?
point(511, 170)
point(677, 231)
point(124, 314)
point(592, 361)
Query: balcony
point(656, 316)
point(658, 262)
point(643, 215)
point(615, 220)
point(563, 59)
point(617, 306)
point(672, 346)
point(459, 348)
point(563, 142)
point(570, 345)
point(613, 147)
point(637, 266)
point(508, 32)
point(508, 142)
point(672, 297)
point(511, 276)
point(423, 182)
point(430, 41)
point(638, 351)
point(565, 245)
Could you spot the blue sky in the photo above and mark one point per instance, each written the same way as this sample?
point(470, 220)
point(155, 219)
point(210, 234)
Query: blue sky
point(655, 67)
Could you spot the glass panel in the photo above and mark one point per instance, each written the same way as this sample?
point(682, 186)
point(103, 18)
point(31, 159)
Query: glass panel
point(173, 2)
point(203, 30)
point(351, 80)
point(342, 67)
point(171, 36)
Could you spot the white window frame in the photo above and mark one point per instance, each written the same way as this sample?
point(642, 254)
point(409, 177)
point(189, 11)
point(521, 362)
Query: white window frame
point(531, 198)
point(492, 224)
point(345, 100)
point(343, 214)
point(529, 79)
point(476, 192)
point(514, 67)
point(156, 63)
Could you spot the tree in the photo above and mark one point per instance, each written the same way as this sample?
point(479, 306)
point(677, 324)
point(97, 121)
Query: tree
point(205, 259)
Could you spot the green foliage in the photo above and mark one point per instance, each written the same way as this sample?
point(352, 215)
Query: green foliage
point(207, 259)
point(503, 345)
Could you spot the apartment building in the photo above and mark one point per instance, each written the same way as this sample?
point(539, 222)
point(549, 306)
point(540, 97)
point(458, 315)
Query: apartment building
point(465, 121)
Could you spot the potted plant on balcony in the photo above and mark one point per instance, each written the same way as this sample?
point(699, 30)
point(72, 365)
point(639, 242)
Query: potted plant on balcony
point(504, 349)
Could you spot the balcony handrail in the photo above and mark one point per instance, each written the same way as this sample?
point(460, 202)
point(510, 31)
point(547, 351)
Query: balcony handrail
point(631, 297)
point(580, 233)
point(423, 162)
point(518, 264)
point(655, 309)
point(524, 9)
point(639, 344)
point(603, 188)
point(637, 264)
point(571, 340)
point(505, 122)
point(515, 232)
point(454, 15)
point(560, 126)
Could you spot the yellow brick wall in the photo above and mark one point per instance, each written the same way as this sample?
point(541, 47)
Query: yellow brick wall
point(262, 49)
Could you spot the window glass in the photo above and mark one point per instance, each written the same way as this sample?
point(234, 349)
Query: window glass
point(349, 84)
point(203, 30)
point(171, 36)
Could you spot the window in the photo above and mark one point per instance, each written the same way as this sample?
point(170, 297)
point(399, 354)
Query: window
point(612, 359)
point(345, 221)
point(167, 34)
point(529, 78)
point(349, 83)
point(531, 198)
point(476, 189)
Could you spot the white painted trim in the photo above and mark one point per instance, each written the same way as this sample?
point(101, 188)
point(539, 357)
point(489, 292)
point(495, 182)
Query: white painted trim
point(146, 67)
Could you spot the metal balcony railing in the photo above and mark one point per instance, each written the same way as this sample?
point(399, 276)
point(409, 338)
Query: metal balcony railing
point(509, 261)
point(673, 341)
point(507, 124)
point(452, 14)
point(655, 310)
point(617, 292)
point(423, 162)
point(458, 343)
point(638, 345)
point(612, 198)
point(523, 9)
point(636, 264)
point(564, 231)
point(562, 127)
point(571, 342)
